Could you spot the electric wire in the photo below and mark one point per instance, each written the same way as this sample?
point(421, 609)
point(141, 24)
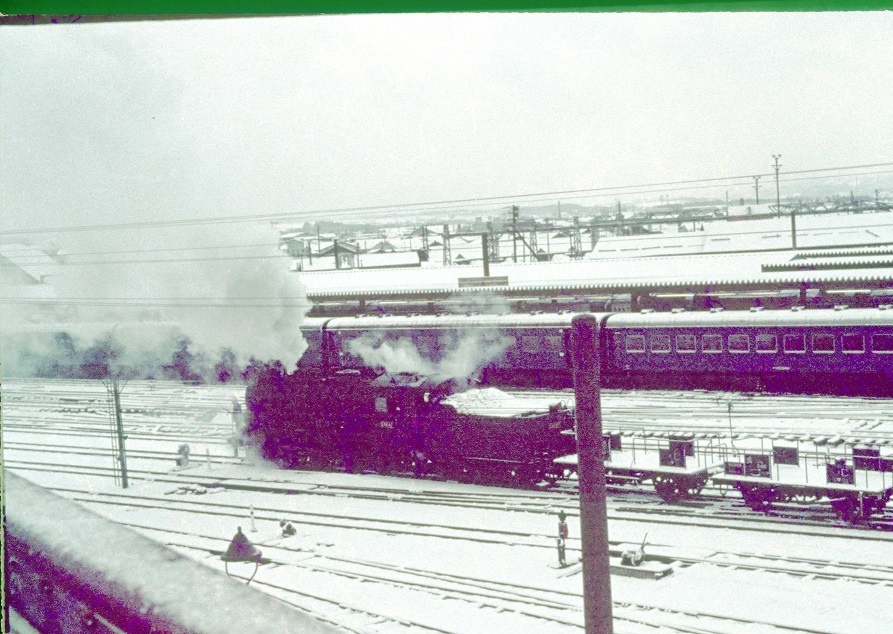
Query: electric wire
point(404, 206)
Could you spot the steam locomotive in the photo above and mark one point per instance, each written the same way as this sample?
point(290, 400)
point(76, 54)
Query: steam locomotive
point(401, 424)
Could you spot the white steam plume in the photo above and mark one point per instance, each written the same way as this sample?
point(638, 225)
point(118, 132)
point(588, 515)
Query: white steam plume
point(213, 286)
point(459, 360)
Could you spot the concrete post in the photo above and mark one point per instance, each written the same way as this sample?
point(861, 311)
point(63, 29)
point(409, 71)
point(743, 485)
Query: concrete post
point(597, 605)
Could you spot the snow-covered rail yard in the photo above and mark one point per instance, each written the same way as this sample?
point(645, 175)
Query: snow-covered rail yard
point(376, 554)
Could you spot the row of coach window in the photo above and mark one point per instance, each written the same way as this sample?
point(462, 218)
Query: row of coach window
point(821, 343)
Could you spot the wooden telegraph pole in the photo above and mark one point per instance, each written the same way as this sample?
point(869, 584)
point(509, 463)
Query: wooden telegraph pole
point(597, 608)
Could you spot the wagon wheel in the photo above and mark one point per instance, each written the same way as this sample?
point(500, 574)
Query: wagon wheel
point(784, 497)
point(724, 490)
point(758, 499)
point(695, 487)
point(847, 509)
point(668, 488)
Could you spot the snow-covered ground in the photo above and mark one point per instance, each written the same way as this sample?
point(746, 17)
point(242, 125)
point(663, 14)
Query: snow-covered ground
point(378, 554)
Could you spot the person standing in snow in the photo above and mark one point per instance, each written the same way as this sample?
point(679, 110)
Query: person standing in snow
point(562, 537)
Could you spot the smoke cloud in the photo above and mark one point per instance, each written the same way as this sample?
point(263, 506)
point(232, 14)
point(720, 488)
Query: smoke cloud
point(174, 303)
point(460, 359)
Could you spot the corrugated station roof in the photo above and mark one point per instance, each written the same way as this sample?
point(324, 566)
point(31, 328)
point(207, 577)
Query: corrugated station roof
point(727, 256)
point(692, 273)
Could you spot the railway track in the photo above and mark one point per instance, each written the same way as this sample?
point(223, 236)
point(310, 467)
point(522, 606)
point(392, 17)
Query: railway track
point(54, 400)
point(544, 604)
point(164, 456)
point(661, 414)
point(624, 504)
point(461, 532)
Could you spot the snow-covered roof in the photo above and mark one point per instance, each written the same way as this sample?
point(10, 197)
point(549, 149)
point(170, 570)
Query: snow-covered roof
point(725, 255)
point(437, 321)
point(143, 575)
point(688, 273)
point(30, 260)
point(849, 317)
point(826, 230)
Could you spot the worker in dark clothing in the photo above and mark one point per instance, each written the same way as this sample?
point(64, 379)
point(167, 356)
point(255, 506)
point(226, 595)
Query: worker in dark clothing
point(562, 537)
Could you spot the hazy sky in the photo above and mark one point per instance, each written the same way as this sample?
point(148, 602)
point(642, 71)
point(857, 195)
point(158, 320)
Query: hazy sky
point(128, 121)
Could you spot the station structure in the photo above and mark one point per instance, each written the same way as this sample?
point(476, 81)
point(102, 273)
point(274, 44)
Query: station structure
point(846, 264)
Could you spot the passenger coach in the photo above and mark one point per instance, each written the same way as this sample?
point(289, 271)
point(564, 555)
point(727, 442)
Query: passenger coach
point(814, 350)
point(842, 351)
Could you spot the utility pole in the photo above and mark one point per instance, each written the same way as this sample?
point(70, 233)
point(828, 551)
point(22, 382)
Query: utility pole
point(447, 255)
point(778, 202)
point(731, 431)
point(119, 428)
point(485, 251)
point(559, 210)
point(576, 241)
point(515, 210)
point(597, 608)
point(727, 203)
point(756, 186)
point(493, 242)
point(337, 261)
point(534, 247)
point(777, 191)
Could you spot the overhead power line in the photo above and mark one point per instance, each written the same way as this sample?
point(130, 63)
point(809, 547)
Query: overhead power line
point(41, 261)
point(227, 258)
point(164, 250)
point(179, 303)
point(414, 205)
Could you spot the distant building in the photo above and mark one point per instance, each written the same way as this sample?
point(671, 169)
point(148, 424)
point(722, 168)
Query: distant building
point(346, 253)
point(25, 270)
point(381, 247)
